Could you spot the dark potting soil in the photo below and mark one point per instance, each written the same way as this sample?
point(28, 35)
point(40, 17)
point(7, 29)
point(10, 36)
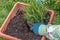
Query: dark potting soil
point(17, 27)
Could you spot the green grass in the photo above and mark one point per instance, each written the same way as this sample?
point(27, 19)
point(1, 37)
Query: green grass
point(35, 12)
point(6, 5)
point(54, 5)
point(2, 38)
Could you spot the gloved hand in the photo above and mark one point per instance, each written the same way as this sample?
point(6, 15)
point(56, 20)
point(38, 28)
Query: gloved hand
point(35, 27)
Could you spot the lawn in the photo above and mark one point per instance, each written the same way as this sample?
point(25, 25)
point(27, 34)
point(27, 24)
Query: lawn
point(6, 5)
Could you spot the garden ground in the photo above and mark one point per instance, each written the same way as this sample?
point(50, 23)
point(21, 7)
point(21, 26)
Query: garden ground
point(6, 5)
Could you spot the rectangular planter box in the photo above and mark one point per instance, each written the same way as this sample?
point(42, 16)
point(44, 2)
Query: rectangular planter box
point(9, 17)
point(12, 14)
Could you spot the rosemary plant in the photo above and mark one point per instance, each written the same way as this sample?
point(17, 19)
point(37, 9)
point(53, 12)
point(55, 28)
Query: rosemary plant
point(35, 12)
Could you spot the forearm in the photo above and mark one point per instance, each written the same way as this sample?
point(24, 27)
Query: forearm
point(52, 32)
point(49, 31)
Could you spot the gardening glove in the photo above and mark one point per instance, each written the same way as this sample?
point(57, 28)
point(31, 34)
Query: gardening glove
point(35, 27)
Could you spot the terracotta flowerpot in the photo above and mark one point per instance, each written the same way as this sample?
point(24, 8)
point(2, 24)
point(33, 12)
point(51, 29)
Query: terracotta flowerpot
point(11, 15)
point(51, 12)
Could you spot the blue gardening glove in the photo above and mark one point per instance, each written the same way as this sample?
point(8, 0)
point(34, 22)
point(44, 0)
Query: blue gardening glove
point(35, 27)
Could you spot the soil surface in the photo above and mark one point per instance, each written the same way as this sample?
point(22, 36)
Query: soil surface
point(17, 27)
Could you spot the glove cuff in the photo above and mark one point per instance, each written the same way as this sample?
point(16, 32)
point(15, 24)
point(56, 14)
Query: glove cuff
point(36, 26)
point(42, 29)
